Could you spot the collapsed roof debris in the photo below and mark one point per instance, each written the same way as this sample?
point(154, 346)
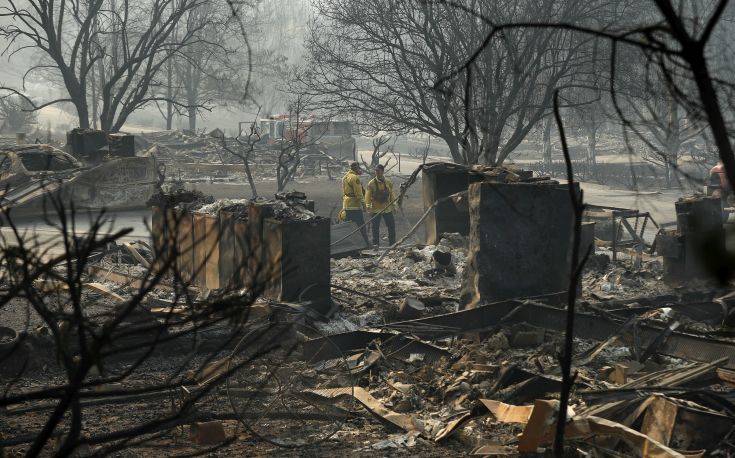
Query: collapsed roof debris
point(192, 158)
point(181, 199)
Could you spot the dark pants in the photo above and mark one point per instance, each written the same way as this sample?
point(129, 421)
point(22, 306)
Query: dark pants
point(390, 223)
point(357, 217)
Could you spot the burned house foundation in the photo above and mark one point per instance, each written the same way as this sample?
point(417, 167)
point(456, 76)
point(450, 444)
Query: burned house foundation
point(436, 339)
point(472, 265)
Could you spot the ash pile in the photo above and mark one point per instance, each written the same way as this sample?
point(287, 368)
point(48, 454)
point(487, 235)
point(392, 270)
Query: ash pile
point(452, 344)
point(447, 342)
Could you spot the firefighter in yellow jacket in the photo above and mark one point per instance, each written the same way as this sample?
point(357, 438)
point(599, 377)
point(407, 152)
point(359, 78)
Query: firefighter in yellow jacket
point(353, 200)
point(379, 201)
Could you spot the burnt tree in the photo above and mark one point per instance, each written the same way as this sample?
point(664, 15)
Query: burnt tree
point(380, 60)
point(119, 48)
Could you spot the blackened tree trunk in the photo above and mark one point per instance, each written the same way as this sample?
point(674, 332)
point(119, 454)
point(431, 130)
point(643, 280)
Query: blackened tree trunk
point(546, 141)
point(592, 128)
point(192, 114)
point(169, 95)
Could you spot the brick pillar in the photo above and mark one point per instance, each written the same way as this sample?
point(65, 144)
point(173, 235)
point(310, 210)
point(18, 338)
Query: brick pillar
point(520, 241)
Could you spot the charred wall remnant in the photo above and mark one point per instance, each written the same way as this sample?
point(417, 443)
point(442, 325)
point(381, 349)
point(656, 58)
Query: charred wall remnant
point(691, 250)
point(83, 143)
point(206, 250)
point(92, 145)
point(299, 251)
point(520, 240)
point(277, 247)
point(233, 245)
point(442, 180)
point(121, 145)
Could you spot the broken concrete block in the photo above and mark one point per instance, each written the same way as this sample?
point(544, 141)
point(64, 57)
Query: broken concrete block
point(411, 308)
point(208, 433)
point(520, 241)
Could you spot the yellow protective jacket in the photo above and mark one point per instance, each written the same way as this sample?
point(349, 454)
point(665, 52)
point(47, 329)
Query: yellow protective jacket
point(379, 196)
point(352, 192)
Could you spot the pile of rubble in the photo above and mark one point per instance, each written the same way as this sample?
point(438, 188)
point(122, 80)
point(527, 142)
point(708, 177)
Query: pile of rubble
point(406, 346)
point(182, 146)
point(181, 199)
point(422, 349)
point(486, 381)
point(411, 281)
point(498, 394)
point(210, 157)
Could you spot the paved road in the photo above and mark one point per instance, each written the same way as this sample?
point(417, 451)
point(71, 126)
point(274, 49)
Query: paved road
point(49, 235)
point(660, 204)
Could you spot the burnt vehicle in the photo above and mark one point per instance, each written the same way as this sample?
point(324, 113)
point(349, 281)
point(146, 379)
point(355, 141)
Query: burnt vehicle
point(29, 174)
point(333, 138)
